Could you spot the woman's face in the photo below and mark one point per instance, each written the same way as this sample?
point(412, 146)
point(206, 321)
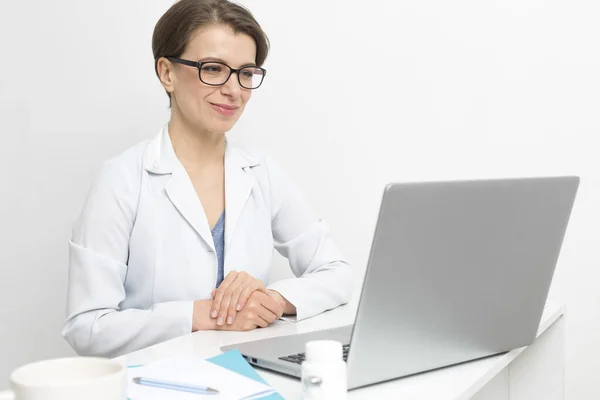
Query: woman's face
point(212, 108)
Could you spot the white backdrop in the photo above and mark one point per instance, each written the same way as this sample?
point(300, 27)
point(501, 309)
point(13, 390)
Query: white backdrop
point(357, 94)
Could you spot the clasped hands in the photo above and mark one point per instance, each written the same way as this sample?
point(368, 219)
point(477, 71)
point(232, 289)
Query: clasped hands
point(240, 303)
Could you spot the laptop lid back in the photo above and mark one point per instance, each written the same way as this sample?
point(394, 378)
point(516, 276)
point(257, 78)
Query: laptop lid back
point(457, 271)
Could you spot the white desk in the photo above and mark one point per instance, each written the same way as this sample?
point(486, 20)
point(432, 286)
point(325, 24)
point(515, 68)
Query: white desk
point(534, 372)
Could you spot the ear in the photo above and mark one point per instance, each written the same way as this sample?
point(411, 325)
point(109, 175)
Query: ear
point(166, 74)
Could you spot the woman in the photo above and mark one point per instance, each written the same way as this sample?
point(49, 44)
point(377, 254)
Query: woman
point(178, 232)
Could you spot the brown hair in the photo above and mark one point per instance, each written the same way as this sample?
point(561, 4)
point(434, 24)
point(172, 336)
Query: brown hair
point(174, 29)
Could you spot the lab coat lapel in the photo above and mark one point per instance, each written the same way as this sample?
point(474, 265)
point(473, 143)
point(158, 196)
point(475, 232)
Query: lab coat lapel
point(160, 159)
point(182, 194)
point(238, 186)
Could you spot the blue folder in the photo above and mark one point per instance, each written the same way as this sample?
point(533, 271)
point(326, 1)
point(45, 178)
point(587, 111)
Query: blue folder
point(233, 360)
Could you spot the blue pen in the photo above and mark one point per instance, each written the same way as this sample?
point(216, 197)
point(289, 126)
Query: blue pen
point(175, 386)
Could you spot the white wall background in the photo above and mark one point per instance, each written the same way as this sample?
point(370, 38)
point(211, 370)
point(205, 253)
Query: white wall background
point(358, 94)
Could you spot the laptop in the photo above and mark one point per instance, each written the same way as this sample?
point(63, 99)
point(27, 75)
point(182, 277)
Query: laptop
point(458, 270)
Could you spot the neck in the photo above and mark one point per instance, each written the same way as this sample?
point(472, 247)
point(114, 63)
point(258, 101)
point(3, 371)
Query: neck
point(195, 147)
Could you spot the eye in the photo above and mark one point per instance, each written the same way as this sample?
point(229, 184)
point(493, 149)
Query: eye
point(212, 69)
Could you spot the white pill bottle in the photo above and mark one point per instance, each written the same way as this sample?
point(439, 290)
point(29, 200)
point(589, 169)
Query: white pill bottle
point(324, 371)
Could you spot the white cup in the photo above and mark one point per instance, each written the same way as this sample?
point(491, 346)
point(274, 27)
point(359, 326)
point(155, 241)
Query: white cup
point(74, 378)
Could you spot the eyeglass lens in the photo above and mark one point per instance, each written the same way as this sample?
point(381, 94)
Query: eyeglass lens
point(217, 74)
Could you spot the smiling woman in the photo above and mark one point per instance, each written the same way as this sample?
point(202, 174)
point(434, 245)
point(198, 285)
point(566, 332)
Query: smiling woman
point(205, 95)
point(178, 232)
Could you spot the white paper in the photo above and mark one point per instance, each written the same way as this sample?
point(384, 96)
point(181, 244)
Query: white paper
point(195, 371)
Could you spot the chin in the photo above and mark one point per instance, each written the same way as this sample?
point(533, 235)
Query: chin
point(222, 126)
point(221, 129)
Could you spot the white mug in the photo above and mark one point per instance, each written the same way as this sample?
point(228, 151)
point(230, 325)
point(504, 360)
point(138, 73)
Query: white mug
point(74, 378)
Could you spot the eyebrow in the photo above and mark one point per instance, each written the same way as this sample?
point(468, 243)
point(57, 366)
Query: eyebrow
point(206, 59)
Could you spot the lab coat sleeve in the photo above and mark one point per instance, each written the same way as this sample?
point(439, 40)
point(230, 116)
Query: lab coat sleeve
point(324, 278)
point(98, 253)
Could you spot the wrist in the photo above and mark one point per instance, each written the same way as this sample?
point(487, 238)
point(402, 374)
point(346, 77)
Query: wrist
point(201, 320)
point(288, 308)
point(277, 297)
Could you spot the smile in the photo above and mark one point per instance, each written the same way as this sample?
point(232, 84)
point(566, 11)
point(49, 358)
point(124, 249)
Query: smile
point(224, 109)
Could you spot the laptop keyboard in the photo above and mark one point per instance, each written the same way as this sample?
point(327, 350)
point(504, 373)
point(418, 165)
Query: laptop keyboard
point(300, 357)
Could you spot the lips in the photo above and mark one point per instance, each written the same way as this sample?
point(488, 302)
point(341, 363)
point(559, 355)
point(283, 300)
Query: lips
point(224, 109)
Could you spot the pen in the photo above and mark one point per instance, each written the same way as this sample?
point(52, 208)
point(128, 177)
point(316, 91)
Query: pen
point(182, 387)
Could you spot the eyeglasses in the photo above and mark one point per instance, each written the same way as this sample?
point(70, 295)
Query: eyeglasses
point(215, 73)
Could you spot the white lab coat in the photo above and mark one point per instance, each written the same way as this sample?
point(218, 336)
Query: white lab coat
point(142, 251)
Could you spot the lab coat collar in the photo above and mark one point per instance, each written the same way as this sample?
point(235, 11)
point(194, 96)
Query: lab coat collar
point(160, 159)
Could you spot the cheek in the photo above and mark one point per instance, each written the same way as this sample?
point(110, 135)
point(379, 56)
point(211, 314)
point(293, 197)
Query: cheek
point(188, 83)
point(188, 93)
point(245, 99)
point(203, 93)
point(199, 97)
point(246, 94)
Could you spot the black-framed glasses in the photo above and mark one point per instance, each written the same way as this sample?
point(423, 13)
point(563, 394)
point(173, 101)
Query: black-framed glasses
point(216, 73)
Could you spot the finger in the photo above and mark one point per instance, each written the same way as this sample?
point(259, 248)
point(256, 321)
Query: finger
point(244, 291)
point(251, 325)
point(247, 292)
point(267, 315)
point(255, 307)
point(260, 321)
point(212, 294)
point(269, 303)
point(232, 311)
point(216, 306)
point(226, 299)
point(279, 299)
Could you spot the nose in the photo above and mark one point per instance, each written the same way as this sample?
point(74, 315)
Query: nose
point(232, 86)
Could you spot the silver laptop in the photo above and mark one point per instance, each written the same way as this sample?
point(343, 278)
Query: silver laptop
point(457, 271)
